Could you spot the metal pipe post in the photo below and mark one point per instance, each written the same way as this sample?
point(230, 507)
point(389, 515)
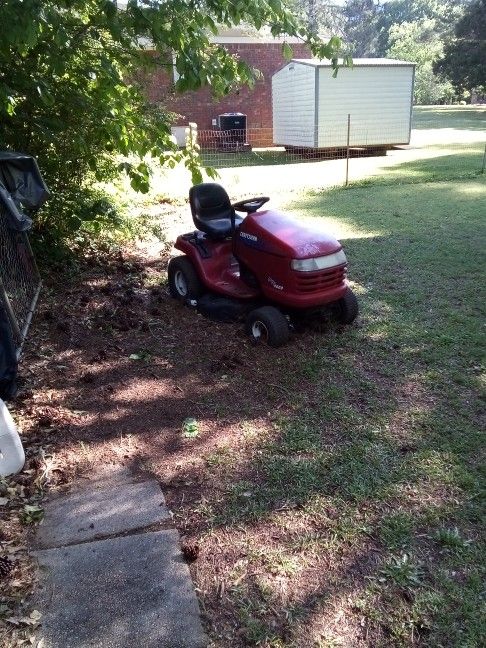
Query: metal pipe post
point(347, 150)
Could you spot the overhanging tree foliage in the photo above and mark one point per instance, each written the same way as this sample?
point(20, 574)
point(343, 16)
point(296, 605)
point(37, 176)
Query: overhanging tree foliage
point(464, 60)
point(68, 70)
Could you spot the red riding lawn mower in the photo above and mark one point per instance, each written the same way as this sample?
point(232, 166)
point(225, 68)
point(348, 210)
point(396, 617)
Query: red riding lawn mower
point(267, 268)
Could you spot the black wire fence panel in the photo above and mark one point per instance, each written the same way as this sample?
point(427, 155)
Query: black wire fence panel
point(19, 278)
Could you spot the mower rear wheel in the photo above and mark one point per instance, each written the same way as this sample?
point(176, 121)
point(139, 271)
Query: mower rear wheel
point(347, 307)
point(267, 324)
point(184, 283)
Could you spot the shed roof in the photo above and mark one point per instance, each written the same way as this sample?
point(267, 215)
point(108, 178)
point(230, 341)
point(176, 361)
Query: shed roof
point(357, 62)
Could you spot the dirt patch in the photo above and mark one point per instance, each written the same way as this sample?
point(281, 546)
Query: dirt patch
point(112, 369)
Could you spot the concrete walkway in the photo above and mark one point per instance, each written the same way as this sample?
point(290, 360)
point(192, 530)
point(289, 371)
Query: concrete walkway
point(112, 574)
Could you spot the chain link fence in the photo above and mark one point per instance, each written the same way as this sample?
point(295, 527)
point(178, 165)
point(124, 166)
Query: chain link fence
point(255, 147)
point(20, 281)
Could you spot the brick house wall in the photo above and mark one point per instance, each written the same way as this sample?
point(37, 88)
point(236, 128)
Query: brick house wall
point(256, 103)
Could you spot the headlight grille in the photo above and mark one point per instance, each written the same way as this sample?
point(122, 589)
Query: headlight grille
point(313, 282)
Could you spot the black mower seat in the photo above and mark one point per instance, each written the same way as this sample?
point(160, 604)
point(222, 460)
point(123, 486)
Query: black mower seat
point(212, 210)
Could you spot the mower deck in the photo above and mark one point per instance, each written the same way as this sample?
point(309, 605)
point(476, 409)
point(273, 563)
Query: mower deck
point(231, 284)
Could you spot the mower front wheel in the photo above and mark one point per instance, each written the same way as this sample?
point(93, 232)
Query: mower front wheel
point(267, 324)
point(184, 283)
point(347, 308)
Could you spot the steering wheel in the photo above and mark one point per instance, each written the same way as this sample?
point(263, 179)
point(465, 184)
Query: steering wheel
point(251, 205)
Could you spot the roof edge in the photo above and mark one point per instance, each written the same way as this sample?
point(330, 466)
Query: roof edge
point(357, 62)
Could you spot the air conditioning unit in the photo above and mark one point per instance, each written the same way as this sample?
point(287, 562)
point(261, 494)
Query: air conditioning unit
point(234, 132)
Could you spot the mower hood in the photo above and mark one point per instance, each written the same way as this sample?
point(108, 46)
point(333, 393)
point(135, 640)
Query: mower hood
point(283, 236)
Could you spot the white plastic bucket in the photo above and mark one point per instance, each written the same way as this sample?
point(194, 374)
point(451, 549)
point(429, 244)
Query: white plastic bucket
point(12, 457)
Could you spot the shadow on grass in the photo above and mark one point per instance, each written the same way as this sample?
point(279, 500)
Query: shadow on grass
point(307, 454)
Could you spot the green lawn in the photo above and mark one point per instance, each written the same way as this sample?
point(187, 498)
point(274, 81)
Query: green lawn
point(440, 162)
point(462, 117)
point(360, 506)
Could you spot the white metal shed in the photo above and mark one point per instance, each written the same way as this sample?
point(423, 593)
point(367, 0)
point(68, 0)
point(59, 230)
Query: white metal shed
point(311, 107)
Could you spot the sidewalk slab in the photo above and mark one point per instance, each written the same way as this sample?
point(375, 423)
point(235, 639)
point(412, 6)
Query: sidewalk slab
point(102, 507)
point(118, 593)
